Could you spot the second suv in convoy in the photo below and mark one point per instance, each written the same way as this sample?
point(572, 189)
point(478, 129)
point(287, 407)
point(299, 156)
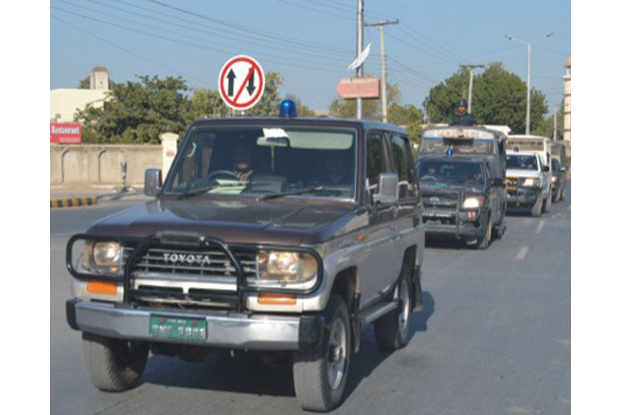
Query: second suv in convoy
point(461, 176)
point(528, 182)
point(282, 235)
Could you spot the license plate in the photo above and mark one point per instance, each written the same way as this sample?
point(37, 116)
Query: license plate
point(191, 329)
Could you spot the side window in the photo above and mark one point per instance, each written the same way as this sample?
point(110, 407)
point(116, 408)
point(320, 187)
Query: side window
point(375, 157)
point(404, 166)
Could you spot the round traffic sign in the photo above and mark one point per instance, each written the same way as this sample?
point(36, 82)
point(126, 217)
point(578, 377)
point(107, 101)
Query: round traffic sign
point(241, 82)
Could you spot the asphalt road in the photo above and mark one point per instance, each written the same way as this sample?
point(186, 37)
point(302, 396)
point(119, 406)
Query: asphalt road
point(494, 338)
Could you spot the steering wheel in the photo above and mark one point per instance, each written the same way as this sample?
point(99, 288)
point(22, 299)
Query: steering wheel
point(428, 177)
point(225, 174)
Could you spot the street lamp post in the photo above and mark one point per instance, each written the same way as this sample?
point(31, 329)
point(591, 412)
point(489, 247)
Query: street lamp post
point(529, 76)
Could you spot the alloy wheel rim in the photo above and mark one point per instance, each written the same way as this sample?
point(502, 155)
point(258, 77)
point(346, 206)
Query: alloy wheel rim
point(336, 354)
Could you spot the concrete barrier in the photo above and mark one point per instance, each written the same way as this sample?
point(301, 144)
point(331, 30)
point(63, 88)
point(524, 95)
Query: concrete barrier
point(101, 164)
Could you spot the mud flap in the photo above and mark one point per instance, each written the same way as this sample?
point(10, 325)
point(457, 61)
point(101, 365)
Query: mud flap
point(417, 293)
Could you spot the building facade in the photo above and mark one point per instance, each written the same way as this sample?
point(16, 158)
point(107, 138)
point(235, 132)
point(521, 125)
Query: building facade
point(65, 102)
point(567, 104)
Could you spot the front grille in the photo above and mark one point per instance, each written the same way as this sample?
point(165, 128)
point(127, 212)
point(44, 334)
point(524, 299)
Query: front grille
point(441, 201)
point(512, 182)
point(189, 277)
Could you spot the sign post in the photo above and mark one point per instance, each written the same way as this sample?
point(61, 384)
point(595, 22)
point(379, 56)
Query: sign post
point(241, 82)
point(353, 88)
point(67, 133)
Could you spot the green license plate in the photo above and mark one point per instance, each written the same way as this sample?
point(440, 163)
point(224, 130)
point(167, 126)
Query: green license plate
point(191, 329)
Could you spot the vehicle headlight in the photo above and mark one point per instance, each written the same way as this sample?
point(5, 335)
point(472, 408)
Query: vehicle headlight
point(531, 183)
point(282, 268)
point(102, 257)
point(473, 202)
point(553, 179)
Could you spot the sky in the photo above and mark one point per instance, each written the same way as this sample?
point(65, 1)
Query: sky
point(311, 43)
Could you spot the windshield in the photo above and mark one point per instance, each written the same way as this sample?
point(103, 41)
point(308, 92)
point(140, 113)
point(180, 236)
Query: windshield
point(520, 162)
point(262, 161)
point(435, 172)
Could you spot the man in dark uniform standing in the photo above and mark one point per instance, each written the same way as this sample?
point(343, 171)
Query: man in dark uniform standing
point(462, 117)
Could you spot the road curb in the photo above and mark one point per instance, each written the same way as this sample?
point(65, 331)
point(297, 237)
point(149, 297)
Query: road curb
point(73, 202)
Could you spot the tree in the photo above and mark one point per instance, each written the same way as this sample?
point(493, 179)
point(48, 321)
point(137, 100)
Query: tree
point(207, 103)
point(137, 112)
point(269, 104)
point(499, 98)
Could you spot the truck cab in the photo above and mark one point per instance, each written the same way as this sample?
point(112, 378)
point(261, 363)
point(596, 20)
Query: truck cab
point(461, 176)
point(528, 182)
point(523, 173)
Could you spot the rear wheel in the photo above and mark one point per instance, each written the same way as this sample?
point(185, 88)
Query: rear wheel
point(114, 365)
point(392, 329)
point(320, 375)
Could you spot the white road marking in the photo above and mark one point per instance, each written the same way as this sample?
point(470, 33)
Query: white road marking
point(557, 215)
point(540, 226)
point(522, 252)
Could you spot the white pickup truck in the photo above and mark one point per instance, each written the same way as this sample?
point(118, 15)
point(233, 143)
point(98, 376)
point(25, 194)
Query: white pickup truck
point(528, 182)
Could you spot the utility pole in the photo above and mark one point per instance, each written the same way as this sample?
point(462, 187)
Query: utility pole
point(381, 26)
point(471, 67)
point(359, 41)
point(529, 77)
point(555, 123)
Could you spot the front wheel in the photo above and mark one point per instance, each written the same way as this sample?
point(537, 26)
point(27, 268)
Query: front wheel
point(547, 203)
point(114, 365)
point(392, 329)
point(485, 241)
point(320, 375)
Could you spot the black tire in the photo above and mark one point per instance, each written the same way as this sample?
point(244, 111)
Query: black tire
point(320, 375)
point(392, 329)
point(537, 208)
point(547, 203)
point(500, 229)
point(488, 236)
point(114, 365)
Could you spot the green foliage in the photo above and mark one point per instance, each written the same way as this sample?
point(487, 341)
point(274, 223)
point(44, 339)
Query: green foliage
point(499, 98)
point(302, 109)
point(137, 112)
point(269, 104)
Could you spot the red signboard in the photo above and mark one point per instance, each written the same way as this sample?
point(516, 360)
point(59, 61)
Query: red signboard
point(65, 133)
point(364, 87)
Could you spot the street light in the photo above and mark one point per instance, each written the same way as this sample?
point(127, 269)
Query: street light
point(529, 60)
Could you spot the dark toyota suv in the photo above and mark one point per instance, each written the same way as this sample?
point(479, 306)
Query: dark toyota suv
point(276, 234)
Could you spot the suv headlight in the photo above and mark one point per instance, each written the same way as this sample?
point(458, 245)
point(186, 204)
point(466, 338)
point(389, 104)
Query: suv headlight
point(102, 257)
point(554, 179)
point(283, 269)
point(473, 202)
point(531, 183)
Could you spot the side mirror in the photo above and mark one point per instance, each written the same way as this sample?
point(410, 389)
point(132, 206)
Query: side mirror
point(545, 169)
point(153, 182)
point(563, 170)
point(496, 182)
point(388, 189)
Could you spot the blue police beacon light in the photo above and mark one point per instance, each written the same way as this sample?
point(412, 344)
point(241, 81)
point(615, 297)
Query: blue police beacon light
point(449, 152)
point(516, 149)
point(287, 108)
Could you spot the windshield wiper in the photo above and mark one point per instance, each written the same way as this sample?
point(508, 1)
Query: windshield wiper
point(202, 190)
point(293, 192)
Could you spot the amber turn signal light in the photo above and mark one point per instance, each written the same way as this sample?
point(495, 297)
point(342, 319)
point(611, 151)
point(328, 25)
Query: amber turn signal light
point(102, 287)
point(276, 299)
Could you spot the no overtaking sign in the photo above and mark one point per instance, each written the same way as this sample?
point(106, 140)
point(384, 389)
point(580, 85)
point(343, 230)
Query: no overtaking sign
point(241, 82)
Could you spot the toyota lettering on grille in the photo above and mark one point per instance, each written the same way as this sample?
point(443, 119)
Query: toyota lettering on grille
point(190, 259)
